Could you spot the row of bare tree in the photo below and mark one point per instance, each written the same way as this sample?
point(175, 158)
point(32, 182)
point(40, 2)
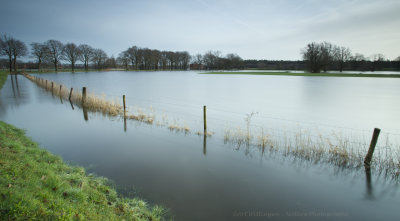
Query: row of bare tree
point(213, 60)
point(326, 56)
point(54, 51)
point(317, 57)
point(150, 59)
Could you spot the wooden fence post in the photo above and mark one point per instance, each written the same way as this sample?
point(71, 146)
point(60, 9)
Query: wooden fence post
point(205, 120)
point(123, 99)
point(70, 94)
point(52, 85)
point(83, 95)
point(60, 90)
point(374, 140)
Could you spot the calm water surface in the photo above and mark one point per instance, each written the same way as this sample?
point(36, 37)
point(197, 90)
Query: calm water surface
point(202, 179)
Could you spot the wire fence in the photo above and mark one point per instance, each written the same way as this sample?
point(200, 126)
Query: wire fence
point(341, 145)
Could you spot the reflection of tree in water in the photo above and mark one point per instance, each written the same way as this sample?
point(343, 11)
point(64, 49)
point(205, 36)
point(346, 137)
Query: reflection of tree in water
point(12, 94)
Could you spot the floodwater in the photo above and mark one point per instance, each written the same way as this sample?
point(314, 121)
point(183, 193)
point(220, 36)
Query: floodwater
point(200, 178)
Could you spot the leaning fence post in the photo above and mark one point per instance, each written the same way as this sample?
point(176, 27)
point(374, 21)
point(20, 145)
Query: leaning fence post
point(70, 94)
point(123, 99)
point(60, 90)
point(205, 120)
point(83, 95)
point(374, 140)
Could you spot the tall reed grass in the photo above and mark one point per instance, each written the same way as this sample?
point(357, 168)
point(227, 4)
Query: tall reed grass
point(338, 150)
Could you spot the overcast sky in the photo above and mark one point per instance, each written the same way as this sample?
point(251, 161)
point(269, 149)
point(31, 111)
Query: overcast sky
point(254, 29)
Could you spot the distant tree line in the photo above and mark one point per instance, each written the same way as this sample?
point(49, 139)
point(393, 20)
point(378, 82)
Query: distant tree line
point(317, 57)
point(137, 58)
point(213, 60)
point(325, 56)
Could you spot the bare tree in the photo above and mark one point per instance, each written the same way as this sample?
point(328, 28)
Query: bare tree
point(133, 55)
point(234, 61)
point(19, 50)
point(376, 60)
point(318, 56)
point(40, 52)
point(123, 58)
point(99, 57)
point(185, 59)
point(71, 53)
point(55, 52)
point(6, 45)
point(12, 48)
point(86, 54)
point(358, 61)
point(342, 55)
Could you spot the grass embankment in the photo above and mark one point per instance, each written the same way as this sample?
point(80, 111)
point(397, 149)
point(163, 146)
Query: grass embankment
point(309, 74)
point(36, 185)
point(3, 77)
point(46, 71)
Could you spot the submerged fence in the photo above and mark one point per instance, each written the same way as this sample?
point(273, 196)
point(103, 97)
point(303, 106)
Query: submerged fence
point(338, 150)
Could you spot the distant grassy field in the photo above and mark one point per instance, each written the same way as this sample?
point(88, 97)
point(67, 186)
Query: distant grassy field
point(36, 185)
point(309, 74)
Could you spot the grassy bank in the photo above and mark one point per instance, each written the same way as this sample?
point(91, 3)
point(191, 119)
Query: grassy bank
point(309, 74)
point(3, 78)
point(36, 185)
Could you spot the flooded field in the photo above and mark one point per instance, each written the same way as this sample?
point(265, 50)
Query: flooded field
point(270, 153)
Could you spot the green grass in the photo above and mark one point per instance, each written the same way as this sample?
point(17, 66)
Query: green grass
point(3, 77)
point(309, 74)
point(47, 71)
point(36, 185)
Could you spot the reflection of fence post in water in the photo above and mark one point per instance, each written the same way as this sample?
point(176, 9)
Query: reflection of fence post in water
point(205, 120)
point(205, 144)
point(61, 94)
point(123, 101)
point(70, 94)
point(85, 113)
point(69, 98)
point(370, 193)
point(125, 128)
point(374, 140)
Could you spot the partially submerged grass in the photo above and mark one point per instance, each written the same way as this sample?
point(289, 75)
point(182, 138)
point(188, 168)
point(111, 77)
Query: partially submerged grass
point(3, 77)
point(100, 104)
point(309, 74)
point(92, 103)
point(36, 185)
point(338, 150)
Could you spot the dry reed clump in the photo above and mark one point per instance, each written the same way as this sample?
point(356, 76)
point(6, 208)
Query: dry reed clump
point(338, 150)
point(176, 128)
point(92, 102)
point(100, 104)
point(237, 137)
